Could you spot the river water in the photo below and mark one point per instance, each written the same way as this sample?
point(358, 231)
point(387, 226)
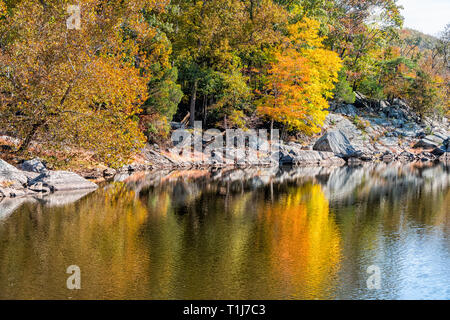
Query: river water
point(305, 233)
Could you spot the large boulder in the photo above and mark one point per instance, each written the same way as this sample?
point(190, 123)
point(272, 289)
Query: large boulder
point(11, 177)
point(34, 165)
point(430, 142)
point(310, 157)
point(439, 151)
point(5, 166)
point(336, 142)
point(61, 181)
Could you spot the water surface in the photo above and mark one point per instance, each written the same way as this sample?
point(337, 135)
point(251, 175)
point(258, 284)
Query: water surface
point(306, 233)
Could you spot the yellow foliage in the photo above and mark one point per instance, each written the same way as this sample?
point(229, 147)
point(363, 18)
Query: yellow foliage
point(237, 119)
point(301, 80)
point(72, 87)
point(2, 8)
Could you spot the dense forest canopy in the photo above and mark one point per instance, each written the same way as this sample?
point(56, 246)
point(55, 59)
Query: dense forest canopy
point(134, 66)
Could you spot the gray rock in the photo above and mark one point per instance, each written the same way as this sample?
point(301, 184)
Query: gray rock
point(439, 151)
point(14, 179)
point(384, 104)
point(309, 157)
point(176, 125)
point(445, 157)
point(12, 192)
point(34, 165)
point(11, 177)
point(39, 187)
point(348, 110)
point(400, 103)
point(429, 142)
point(109, 172)
point(399, 123)
point(336, 142)
point(5, 166)
point(62, 181)
point(394, 113)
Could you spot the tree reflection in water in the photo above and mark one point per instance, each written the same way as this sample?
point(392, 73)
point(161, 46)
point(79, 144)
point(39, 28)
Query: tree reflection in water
point(305, 233)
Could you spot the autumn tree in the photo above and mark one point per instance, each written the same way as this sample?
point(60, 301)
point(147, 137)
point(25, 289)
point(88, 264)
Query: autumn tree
point(414, 69)
point(201, 41)
point(219, 40)
point(76, 87)
point(301, 80)
point(164, 91)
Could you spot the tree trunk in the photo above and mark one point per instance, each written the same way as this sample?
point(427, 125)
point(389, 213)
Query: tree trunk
point(205, 101)
point(192, 107)
point(29, 137)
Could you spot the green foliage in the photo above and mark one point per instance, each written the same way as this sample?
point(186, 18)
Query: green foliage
point(423, 95)
point(233, 96)
point(164, 92)
point(343, 91)
point(371, 87)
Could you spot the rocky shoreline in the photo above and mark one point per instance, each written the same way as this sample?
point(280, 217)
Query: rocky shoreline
point(366, 131)
point(35, 178)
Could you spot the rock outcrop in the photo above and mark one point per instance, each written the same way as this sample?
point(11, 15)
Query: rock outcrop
point(12, 180)
point(430, 141)
point(367, 130)
point(337, 143)
point(34, 165)
point(310, 157)
point(16, 183)
point(61, 181)
point(387, 131)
